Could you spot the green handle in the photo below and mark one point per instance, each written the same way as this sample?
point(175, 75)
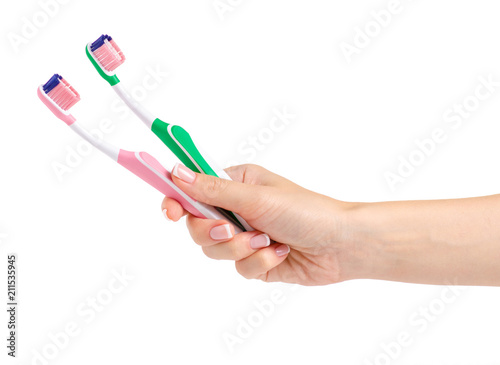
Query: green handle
point(180, 143)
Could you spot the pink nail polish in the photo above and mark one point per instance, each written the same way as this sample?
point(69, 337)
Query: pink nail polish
point(259, 241)
point(183, 173)
point(282, 250)
point(222, 232)
point(166, 215)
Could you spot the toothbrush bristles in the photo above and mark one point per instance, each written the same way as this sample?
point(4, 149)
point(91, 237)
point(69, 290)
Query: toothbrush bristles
point(61, 92)
point(107, 53)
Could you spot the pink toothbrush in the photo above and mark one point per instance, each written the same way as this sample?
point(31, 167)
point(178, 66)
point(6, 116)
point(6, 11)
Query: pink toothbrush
point(59, 96)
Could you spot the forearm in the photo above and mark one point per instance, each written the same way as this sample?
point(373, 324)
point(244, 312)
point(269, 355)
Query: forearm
point(434, 242)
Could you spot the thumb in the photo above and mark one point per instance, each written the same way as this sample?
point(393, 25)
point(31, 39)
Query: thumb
point(227, 194)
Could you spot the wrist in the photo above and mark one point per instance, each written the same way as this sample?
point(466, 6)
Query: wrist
point(350, 241)
point(374, 242)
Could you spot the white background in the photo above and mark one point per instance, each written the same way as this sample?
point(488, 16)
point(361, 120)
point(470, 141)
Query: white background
point(225, 76)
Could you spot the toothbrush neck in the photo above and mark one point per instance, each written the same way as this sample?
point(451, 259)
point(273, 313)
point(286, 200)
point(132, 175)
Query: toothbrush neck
point(142, 113)
point(96, 141)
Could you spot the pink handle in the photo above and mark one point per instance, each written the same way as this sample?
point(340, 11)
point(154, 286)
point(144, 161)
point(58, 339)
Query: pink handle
point(150, 170)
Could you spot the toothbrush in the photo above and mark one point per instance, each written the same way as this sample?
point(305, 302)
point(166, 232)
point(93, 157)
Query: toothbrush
point(106, 56)
point(59, 96)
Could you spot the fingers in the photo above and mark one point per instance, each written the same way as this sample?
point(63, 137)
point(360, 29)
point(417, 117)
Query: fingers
point(254, 187)
point(172, 209)
point(230, 195)
point(219, 242)
point(252, 251)
point(256, 175)
point(251, 189)
point(251, 174)
point(240, 247)
point(207, 232)
point(257, 265)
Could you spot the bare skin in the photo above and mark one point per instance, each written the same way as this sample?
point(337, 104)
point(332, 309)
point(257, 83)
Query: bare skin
point(317, 240)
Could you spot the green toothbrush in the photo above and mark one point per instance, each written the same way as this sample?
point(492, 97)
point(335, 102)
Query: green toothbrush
point(106, 56)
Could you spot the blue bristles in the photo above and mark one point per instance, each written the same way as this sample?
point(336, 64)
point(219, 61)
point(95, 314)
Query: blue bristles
point(52, 83)
point(99, 42)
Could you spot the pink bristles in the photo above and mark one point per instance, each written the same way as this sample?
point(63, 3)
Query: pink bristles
point(109, 55)
point(64, 95)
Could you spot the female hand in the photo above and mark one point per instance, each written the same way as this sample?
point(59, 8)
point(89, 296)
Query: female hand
point(298, 237)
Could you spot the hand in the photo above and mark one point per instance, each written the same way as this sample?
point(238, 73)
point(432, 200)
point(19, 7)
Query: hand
point(298, 237)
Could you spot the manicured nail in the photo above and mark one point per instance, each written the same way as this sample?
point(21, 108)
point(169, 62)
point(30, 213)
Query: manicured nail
point(282, 250)
point(166, 215)
point(259, 241)
point(183, 173)
point(222, 232)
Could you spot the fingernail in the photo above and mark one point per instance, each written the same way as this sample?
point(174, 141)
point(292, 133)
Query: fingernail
point(166, 215)
point(282, 250)
point(222, 232)
point(259, 241)
point(183, 173)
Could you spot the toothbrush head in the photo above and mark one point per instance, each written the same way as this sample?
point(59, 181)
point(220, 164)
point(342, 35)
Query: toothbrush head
point(59, 96)
point(106, 56)
point(107, 53)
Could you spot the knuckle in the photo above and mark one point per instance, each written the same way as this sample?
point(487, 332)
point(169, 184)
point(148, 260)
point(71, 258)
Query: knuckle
point(263, 201)
point(194, 231)
point(197, 239)
point(214, 187)
point(234, 251)
point(241, 250)
point(240, 269)
point(266, 260)
point(207, 250)
point(250, 167)
point(252, 173)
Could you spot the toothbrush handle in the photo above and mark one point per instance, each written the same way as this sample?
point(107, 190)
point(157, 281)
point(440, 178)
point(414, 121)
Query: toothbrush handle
point(151, 171)
point(178, 140)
